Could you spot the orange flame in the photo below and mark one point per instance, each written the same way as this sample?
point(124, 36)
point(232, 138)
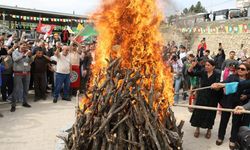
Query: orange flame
point(84, 104)
point(130, 29)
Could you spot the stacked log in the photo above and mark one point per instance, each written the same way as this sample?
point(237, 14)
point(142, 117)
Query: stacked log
point(117, 114)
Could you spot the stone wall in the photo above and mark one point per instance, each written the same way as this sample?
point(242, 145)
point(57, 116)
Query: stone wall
point(230, 41)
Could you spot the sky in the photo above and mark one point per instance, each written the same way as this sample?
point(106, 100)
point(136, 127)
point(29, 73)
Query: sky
point(85, 7)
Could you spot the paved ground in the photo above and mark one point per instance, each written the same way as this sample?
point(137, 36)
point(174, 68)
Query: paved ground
point(36, 128)
point(201, 143)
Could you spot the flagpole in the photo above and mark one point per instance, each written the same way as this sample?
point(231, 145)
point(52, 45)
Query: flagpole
point(79, 33)
point(193, 90)
point(208, 108)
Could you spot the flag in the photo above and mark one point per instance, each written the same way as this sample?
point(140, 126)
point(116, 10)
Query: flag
point(88, 31)
point(236, 29)
point(70, 30)
point(80, 39)
point(231, 87)
point(226, 28)
point(245, 27)
point(45, 28)
point(75, 77)
point(79, 27)
point(241, 28)
point(230, 29)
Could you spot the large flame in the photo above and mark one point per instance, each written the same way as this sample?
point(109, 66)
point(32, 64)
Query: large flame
point(130, 29)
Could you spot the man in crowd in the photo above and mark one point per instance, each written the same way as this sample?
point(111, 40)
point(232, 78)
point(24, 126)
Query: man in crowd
point(230, 60)
point(248, 60)
point(75, 67)
point(7, 79)
point(52, 68)
point(22, 60)
point(206, 57)
point(40, 64)
point(42, 45)
point(183, 52)
point(52, 50)
point(219, 58)
point(3, 49)
point(63, 69)
point(201, 48)
point(3, 66)
point(56, 38)
point(85, 68)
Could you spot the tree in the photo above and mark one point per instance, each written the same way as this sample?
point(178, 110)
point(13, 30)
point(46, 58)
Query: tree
point(185, 11)
point(192, 9)
point(198, 8)
point(171, 18)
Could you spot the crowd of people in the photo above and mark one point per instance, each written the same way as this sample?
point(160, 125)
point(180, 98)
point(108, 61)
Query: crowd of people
point(200, 69)
point(45, 66)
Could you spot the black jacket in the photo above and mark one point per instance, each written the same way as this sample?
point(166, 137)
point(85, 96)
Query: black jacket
point(231, 100)
point(219, 59)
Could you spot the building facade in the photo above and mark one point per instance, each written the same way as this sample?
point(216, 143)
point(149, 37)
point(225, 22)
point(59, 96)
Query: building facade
point(20, 19)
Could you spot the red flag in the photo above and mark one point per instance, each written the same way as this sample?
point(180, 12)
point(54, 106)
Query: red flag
point(75, 77)
point(45, 28)
point(79, 39)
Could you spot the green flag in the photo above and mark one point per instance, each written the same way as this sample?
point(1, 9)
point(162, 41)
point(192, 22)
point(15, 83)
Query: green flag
point(88, 31)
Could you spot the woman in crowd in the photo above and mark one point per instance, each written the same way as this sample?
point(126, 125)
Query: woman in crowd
point(231, 101)
point(205, 118)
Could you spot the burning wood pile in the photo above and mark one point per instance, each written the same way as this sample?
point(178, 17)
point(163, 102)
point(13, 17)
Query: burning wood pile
point(118, 116)
point(128, 104)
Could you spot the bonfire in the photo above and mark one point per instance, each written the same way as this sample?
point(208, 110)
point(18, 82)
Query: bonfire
point(128, 105)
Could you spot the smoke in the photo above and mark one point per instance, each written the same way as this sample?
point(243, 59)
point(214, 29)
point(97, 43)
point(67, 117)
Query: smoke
point(168, 7)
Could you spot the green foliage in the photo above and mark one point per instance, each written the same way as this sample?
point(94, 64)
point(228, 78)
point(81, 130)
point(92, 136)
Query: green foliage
point(171, 18)
point(198, 8)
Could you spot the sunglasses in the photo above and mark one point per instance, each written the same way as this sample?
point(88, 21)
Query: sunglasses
point(242, 69)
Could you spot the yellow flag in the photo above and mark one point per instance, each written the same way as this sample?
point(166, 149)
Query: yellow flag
point(79, 27)
point(226, 28)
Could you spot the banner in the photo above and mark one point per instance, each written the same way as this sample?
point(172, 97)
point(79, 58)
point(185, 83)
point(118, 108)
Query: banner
point(75, 80)
point(33, 18)
point(227, 28)
point(45, 28)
